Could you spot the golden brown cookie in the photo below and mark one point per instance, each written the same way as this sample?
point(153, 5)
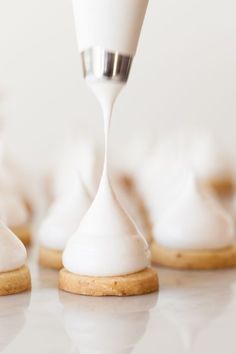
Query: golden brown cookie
point(23, 233)
point(49, 258)
point(222, 187)
point(139, 283)
point(15, 281)
point(190, 259)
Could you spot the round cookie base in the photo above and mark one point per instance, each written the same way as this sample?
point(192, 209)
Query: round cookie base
point(23, 233)
point(49, 258)
point(16, 281)
point(193, 260)
point(139, 283)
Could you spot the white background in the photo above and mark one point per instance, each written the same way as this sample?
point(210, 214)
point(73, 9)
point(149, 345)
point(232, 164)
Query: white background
point(184, 74)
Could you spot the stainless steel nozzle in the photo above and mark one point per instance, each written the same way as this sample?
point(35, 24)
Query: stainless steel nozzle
point(100, 64)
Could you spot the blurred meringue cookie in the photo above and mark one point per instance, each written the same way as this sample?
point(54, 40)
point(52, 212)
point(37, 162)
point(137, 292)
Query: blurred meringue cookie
point(195, 220)
point(211, 165)
point(14, 274)
point(13, 209)
point(60, 223)
point(194, 231)
point(190, 227)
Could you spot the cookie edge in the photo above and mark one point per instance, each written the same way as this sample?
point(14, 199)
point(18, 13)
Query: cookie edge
point(140, 283)
point(193, 260)
point(15, 281)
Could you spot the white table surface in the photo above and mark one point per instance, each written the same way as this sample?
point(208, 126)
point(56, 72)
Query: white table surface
point(194, 312)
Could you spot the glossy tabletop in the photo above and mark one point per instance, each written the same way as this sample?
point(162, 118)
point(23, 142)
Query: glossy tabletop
point(194, 312)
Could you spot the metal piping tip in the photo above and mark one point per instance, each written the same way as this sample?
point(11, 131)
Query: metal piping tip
point(100, 64)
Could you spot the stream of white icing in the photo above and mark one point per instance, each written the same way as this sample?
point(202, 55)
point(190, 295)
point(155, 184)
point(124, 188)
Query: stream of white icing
point(106, 242)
